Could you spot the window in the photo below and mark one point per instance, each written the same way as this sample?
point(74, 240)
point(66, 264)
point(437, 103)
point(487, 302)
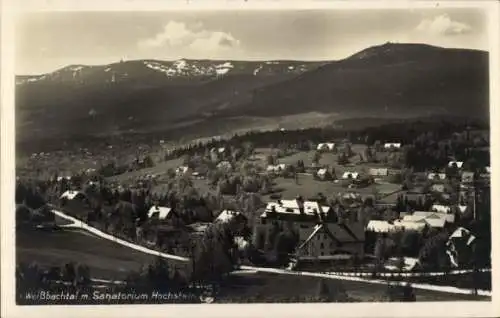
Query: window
point(263, 221)
point(322, 254)
point(322, 246)
point(304, 226)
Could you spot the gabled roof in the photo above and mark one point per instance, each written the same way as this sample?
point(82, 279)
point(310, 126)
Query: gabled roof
point(339, 233)
point(329, 145)
point(72, 194)
point(227, 215)
point(392, 145)
point(292, 207)
point(278, 167)
point(441, 208)
point(414, 218)
point(163, 212)
point(182, 169)
point(379, 226)
point(410, 225)
point(463, 233)
point(458, 163)
point(224, 164)
point(435, 215)
point(322, 171)
point(439, 223)
point(432, 176)
point(379, 171)
point(353, 174)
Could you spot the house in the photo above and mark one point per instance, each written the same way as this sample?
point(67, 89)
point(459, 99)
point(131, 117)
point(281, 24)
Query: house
point(436, 176)
point(450, 218)
point(441, 208)
point(351, 196)
point(227, 216)
point(328, 146)
point(348, 175)
point(276, 168)
point(390, 145)
point(182, 170)
point(462, 209)
point(324, 174)
point(294, 207)
point(460, 246)
point(236, 220)
point(379, 172)
point(219, 150)
point(407, 225)
point(467, 177)
point(327, 241)
point(159, 212)
point(458, 164)
point(320, 236)
point(379, 226)
point(438, 187)
point(72, 195)
point(224, 165)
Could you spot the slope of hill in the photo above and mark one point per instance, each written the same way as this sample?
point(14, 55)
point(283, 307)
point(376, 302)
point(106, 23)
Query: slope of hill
point(139, 95)
point(390, 80)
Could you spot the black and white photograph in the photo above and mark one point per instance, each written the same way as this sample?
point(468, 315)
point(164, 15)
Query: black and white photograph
point(230, 155)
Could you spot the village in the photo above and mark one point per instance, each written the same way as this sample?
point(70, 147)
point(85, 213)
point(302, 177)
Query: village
point(326, 206)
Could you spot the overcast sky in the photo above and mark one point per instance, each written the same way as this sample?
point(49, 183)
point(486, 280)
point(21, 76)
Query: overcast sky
point(48, 41)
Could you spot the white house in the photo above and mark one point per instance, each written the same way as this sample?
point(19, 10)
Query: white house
point(350, 175)
point(379, 172)
point(434, 176)
point(379, 226)
point(182, 170)
point(292, 207)
point(441, 208)
point(227, 215)
point(161, 211)
point(276, 168)
point(407, 225)
point(459, 164)
point(327, 146)
point(219, 150)
point(392, 145)
point(450, 218)
point(72, 194)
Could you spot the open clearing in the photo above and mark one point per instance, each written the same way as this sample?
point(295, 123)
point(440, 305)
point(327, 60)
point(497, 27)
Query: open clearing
point(55, 248)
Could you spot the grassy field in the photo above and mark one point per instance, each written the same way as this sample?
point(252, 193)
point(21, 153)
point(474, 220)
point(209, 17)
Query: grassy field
point(264, 287)
point(55, 248)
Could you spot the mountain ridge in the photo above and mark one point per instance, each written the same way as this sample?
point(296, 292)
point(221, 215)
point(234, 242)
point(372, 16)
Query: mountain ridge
point(388, 80)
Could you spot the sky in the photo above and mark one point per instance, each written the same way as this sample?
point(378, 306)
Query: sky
point(46, 41)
